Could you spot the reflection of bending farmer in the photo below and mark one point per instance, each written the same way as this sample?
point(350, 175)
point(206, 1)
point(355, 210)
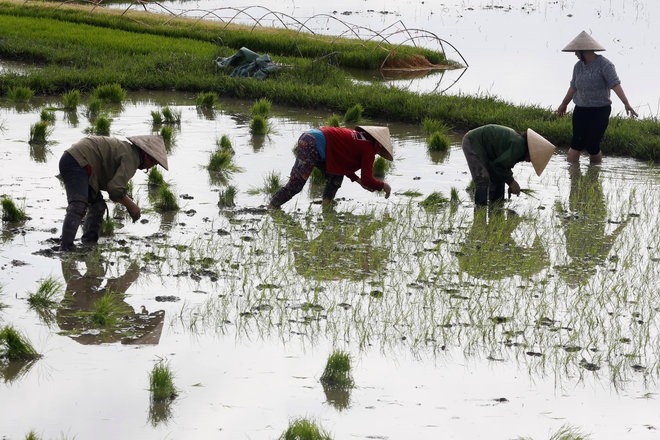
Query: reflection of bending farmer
point(337, 152)
point(76, 314)
point(99, 163)
point(492, 151)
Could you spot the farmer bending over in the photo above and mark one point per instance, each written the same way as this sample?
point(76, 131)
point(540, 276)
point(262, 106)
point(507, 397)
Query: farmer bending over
point(493, 150)
point(96, 164)
point(337, 152)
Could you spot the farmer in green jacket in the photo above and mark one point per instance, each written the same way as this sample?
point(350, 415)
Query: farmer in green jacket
point(100, 163)
point(492, 151)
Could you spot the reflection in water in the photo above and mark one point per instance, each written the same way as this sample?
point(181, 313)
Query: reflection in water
point(343, 249)
point(340, 398)
point(76, 314)
point(587, 243)
point(490, 252)
point(14, 370)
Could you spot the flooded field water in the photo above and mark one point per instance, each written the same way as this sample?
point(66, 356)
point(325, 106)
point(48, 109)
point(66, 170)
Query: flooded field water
point(459, 326)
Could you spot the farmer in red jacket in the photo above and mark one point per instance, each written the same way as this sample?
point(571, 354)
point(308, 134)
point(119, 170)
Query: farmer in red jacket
point(337, 152)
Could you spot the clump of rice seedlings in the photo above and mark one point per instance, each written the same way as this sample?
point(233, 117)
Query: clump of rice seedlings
point(71, 100)
point(15, 347)
point(272, 183)
point(453, 196)
point(206, 100)
point(317, 177)
point(259, 125)
point(94, 108)
point(39, 133)
point(107, 310)
point(304, 429)
point(222, 161)
point(565, 433)
point(438, 142)
point(433, 125)
point(262, 108)
point(411, 193)
point(334, 121)
point(161, 382)
point(156, 118)
point(167, 133)
point(155, 178)
point(227, 197)
point(171, 117)
point(32, 436)
point(20, 94)
point(44, 297)
point(113, 93)
point(337, 373)
point(100, 126)
point(224, 143)
point(434, 201)
point(108, 226)
point(47, 116)
point(166, 200)
point(353, 114)
point(10, 212)
point(381, 166)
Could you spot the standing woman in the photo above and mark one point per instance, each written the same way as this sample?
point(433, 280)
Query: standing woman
point(593, 78)
point(337, 152)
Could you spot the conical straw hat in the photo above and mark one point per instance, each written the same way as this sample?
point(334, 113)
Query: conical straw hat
point(540, 150)
point(153, 145)
point(583, 42)
point(382, 135)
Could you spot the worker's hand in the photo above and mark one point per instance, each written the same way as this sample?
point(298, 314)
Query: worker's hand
point(514, 188)
point(630, 111)
point(134, 212)
point(387, 189)
point(561, 111)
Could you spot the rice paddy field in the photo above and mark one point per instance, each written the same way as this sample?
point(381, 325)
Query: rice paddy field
point(537, 319)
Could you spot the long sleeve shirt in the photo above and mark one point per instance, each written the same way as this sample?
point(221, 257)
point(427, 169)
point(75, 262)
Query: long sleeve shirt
point(348, 151)
point(111, 163)
point(499, 149)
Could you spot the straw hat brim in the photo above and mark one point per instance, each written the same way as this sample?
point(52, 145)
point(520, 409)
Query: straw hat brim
point(153, 145)
point(583, 41)
point(382, 135)
point(540, 150)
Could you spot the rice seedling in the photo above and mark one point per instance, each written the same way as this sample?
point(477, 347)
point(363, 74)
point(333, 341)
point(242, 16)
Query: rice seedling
point(10, 212)
point(206, 100)
point(381, 166)
point(161, 382)
point(156, 118)
point(71, 100)
point(224, 143)
point(44, 297)
point(94, 107)
point(438, 142)
point(171, 117)
point(453, 196)
point(100, 126)
point(39, 133)
point(259, 125)
point(433, 201)
point(167, 133)
point(14, 346)
point(227, 196)
point(272, 183)
point(353, 114)
point(155, 178)
point(262, 108)
point(108, 227)
point(47, 116)
point(221, 161)
point(107, 311)
point(317, 177)
point(166, 200)
point(111, 93)
point(304, 429)
point(19, 94)
point(334, 121)
point(430, 126)
point(337, 372)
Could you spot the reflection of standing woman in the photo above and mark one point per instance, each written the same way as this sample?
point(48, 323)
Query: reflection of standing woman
point(593, 78)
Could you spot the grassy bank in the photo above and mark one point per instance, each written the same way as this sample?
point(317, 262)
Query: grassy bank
point(82, 47)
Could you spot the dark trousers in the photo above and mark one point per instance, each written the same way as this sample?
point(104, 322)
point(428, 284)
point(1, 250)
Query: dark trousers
point(81, 204)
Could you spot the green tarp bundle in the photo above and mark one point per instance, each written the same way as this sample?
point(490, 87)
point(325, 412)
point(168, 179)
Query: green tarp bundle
point(247, 63)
